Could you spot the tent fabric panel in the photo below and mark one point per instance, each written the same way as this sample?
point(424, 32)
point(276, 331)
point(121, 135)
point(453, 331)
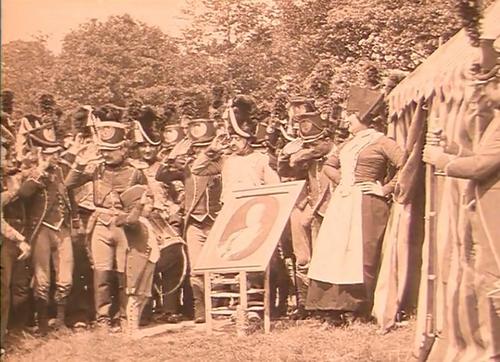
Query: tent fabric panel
point(446, 70)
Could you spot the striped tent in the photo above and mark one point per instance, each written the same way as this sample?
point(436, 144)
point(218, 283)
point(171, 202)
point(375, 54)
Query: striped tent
point(439, 94)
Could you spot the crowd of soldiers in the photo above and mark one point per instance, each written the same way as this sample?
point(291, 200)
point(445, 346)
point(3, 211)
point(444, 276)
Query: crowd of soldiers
point(101, 224)
point(78, 205)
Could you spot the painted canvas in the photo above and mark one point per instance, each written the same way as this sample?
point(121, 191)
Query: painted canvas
point(248, 229)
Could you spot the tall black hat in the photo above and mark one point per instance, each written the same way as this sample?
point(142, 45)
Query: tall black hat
point(144, 127)
point(171, 135)
point(170, 114)
point(240, 113)
point(365, 102)
point(111, 132)
point(299, 105)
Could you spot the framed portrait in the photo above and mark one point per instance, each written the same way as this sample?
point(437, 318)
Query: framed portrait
point(248, 229)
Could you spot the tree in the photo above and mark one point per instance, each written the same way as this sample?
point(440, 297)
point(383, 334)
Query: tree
point(231, 43)
point(351, 34)
point(115, 61)
point(310, 47)
point(27, 68)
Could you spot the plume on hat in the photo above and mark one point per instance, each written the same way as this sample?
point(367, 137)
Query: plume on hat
point(80, 119)
point(145, 124)
point(47, 102)
point(7, 101)
point(218, 96)
point(280, 105)
point(242, 110)
point(194, 105)
point(109, 113)
point(169, 116)
point(134, 108)
point(244, 107)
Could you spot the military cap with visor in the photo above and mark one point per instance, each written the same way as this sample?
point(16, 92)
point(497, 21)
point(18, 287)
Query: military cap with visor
point(311, 126)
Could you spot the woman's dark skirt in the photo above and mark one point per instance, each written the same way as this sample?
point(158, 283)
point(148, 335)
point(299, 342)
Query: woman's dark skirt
point(356, 297)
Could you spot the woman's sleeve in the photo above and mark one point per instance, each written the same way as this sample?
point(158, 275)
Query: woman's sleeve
point(396, 155)
point(331, 168)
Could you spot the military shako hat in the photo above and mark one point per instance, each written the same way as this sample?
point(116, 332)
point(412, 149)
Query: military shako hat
point(240, 113)
point(201, 131)
point(42, 135)
point(144, 127)
point(311, 126)
point(172, 134)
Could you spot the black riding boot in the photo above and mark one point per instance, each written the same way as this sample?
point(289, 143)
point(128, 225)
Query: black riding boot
point(102, 295)
point(199, 304)
point(42, 316)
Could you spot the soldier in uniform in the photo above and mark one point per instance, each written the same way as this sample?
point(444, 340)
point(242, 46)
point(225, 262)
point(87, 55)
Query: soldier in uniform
point(482, 167)
point(49, 224)
point(202, 197)
point(241, 136)
point(243, 167)
point(303, 158)
point(164, 216)
point(142, 252)
point(108, 243)
point(21, 310)
point(81, 308)
point(47, 120)
point(14, 245)
point(7, 102)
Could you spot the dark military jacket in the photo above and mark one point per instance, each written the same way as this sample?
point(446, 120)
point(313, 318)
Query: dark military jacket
point(309, 167)
point(202, 193)
point(46, 199)
point(108, 184)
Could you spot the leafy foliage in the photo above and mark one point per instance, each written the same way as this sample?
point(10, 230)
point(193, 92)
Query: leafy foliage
point(27, 70)
point(115, 61)
point(270, 49)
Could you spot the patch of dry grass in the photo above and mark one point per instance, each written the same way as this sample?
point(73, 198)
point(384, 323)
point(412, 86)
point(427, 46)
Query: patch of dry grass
point(289, 341)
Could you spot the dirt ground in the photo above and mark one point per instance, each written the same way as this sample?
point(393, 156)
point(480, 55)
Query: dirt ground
point(288, 341)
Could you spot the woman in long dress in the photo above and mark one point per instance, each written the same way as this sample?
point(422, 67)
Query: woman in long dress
point(346, 255)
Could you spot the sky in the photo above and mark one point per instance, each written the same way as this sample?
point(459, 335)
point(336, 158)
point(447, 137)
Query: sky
point(21, 19)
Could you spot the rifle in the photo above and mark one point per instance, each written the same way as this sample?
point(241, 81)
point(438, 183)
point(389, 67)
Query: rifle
point(429, 335)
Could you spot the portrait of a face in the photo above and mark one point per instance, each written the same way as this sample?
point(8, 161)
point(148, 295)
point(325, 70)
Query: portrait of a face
point(248, 228)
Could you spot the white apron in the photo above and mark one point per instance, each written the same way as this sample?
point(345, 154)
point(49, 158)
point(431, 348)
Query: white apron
point(338, 254)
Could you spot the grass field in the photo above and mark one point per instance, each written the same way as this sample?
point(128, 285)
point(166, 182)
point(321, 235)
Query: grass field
point(289, 341)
